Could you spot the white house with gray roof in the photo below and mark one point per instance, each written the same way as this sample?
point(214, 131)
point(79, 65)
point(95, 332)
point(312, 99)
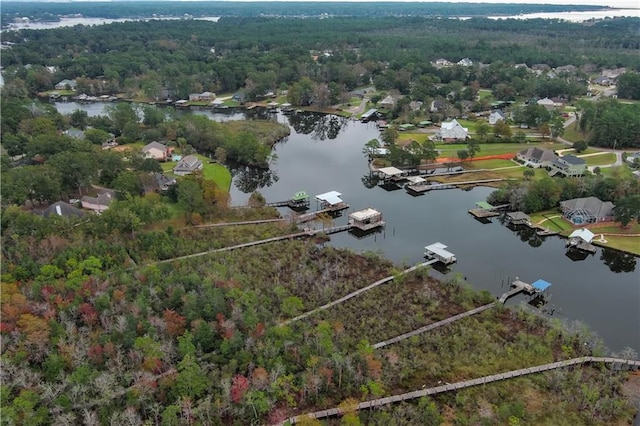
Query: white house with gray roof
point(453, 131)
point(187, 165)
point(536, 157)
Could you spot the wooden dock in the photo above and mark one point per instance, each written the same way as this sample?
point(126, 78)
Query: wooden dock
point(424, 187)
point(308, 217)
point(580, 244)
point(482, 213)
point(518, 287)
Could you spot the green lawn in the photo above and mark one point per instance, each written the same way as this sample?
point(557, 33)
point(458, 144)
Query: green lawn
point(451, 150)
point(622, 171)
point(630, 244)
point(572, 134)
point(211, 171)
point(485, 93)
point(217, 173)
point(600, 159)
point(491, 164)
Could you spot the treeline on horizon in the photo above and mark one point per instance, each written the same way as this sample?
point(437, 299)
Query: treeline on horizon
point(128, 9)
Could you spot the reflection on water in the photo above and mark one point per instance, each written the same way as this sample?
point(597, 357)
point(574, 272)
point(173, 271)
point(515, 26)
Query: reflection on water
point(370, 180)
point(319, 126)
point(618, 261)
point(249, 179)
point(577, 255)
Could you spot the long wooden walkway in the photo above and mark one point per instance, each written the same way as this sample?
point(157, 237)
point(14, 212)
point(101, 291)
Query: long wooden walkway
point(307, 233)
point(356, 293)
point(433, 325)
point(222, 224)
point(449, 320)
point(469, 383)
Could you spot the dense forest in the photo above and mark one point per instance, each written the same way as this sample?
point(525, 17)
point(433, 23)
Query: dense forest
point(174, 58)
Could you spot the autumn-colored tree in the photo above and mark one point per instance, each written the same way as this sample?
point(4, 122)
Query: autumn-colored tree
point(174, 321)
point(260, 378)
point(239, 386)
point(13, 304)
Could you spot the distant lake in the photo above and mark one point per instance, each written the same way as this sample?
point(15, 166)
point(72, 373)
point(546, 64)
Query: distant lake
point(576, 16)
point(72, 22)
point(323, 153)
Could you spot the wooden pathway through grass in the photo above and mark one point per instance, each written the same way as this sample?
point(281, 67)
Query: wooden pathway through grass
point(469, 383)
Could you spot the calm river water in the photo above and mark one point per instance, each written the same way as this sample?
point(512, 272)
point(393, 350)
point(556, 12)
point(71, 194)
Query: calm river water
point(323, 153)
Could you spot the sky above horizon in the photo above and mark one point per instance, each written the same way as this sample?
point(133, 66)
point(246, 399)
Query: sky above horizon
point(620, 4)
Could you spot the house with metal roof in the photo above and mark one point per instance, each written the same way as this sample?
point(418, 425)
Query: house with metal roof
point(331, 200)
point(582, 211)
point(436, 251)
point(568, 165)
point(372, 114)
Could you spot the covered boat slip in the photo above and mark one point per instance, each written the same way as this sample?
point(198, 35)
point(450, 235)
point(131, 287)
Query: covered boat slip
point(366, 219)
point(331, 201)
point(394, 174)
point(437, 251)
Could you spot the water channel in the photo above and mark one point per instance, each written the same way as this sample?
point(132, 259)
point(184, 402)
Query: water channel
point(323, 153)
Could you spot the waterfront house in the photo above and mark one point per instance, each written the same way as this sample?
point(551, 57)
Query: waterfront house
point(496, 116)
point(239, 97)
point(187, 165)
point(157, 151)
point(536, 157)
point(568, 165)
point(100, 202)
point(67, 84)
point(372, 114)
point(582, 211)
point(204, 96)
point(453, 131)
